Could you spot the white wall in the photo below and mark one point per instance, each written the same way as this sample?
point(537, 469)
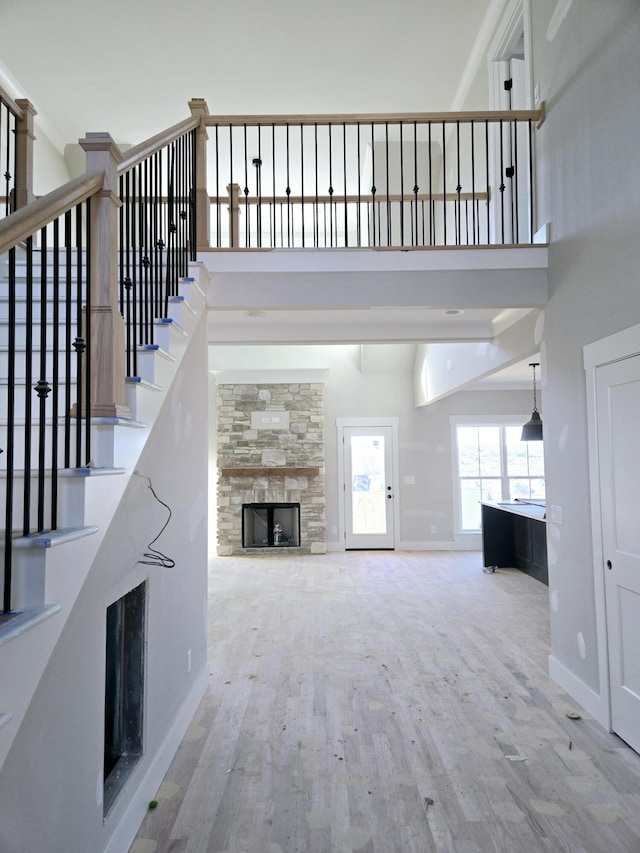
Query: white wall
point(588, 191)
point(49, 166)
point(51, 783)
point(377, 384)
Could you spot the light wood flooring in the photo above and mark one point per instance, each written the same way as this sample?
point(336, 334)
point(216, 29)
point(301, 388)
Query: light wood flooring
point(381, 702)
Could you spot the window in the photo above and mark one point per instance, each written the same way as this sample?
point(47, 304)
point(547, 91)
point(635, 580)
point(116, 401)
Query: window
point(492, 464)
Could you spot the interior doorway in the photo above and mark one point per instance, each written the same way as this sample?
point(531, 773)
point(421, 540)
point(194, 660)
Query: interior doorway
point(613, 398)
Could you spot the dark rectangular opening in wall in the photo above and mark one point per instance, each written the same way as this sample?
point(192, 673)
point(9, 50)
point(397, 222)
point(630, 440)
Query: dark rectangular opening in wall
point(271, 525)
point(124, 691)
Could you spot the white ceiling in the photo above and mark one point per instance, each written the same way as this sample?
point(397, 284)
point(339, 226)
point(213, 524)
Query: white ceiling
point(130, 68)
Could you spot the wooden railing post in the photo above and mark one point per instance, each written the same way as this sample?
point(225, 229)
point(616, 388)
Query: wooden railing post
point(198, 107)
point(234, 214)
point(23, 184)
point(107, 325)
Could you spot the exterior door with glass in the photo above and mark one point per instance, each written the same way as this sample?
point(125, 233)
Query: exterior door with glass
point(369, 488)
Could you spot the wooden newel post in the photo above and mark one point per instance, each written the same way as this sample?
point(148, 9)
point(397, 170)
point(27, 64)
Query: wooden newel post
point(23, 192)
point(198, 107)
point(234, 214)
point(107, 324)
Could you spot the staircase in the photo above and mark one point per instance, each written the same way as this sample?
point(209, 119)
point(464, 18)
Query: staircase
point(51, 566)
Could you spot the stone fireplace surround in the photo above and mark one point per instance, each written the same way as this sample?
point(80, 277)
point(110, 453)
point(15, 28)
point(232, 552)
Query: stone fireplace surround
point(270, 464)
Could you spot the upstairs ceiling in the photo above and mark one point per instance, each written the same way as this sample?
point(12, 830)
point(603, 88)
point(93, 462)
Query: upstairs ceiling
point(130, 67)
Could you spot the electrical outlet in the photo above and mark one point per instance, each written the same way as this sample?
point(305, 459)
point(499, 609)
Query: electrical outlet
point(434, 529)
point(334, 530)
point(189, 660)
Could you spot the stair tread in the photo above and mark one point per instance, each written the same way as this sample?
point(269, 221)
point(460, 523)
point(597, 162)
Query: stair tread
point(17, 622)
point(51, 538)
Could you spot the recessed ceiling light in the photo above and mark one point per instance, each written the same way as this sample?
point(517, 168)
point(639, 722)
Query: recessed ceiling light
point(453, 311)
point(255, 313)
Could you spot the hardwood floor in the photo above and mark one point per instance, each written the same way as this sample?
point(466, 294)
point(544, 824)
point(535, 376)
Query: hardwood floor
point(381, 702)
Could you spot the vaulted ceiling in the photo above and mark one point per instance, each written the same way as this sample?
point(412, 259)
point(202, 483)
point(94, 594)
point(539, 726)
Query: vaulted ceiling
point(130, 68)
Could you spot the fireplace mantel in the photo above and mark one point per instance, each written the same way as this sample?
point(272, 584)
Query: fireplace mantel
point(270, 471)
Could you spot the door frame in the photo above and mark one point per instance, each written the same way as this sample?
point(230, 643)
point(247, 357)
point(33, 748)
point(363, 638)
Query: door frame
point(616, 347)
point(341, 423)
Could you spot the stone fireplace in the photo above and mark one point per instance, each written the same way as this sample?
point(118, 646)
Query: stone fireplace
point(270, 452)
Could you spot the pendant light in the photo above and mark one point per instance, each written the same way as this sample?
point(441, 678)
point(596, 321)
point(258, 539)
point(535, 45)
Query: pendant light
point(532, 430)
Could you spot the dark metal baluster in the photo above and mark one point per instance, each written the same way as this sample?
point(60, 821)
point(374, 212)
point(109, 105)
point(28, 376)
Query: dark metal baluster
point(87, 362)
point(9, 166)
point(414, 204)
point(28, 382)
point(373, 185)
point(486, 166)
point(316, 210)
point(444, 185)
point(79, 343)
point(125, 277)
point(344, 165)
point(218, 223)
point(274, 238)
point(42, 387)
point(458, 189)
point(502, 186)
point(10, 448)
point(401, 187)
point(288, 191)
point(514, 181)
point(231, 218)
point(473, 180)
point(259, 185)
point(67, 340)
point(302, 177)
point(55, 373)
point(247, 217)
point(431, 223)
point(136, 247)
point(386, 154)
point(530, 182)
point(358, 211)
point(330, 189)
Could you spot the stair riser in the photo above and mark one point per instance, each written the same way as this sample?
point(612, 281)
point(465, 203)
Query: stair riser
point(21, 393)
point(21, 311)
point(35, 361)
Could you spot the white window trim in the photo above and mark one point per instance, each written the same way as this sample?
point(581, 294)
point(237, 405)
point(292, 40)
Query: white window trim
point(472, 420)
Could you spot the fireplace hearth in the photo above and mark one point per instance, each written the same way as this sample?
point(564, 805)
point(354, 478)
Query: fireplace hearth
point(271, 525)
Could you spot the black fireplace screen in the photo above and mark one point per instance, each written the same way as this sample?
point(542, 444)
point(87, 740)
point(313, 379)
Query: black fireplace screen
point(271, 525)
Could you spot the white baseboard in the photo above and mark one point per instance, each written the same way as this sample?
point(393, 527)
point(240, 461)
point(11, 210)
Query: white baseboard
point(596, 705)
point(466, 544)
point(125, 832)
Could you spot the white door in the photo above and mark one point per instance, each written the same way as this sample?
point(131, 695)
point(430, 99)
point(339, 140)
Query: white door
point(368, 487)
point(618, 415)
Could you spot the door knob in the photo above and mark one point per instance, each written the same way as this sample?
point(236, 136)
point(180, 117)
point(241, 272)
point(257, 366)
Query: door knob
point(609, 564)
point(389, 497)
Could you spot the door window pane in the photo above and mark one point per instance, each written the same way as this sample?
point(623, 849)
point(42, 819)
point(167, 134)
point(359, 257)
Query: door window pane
point(368, 484)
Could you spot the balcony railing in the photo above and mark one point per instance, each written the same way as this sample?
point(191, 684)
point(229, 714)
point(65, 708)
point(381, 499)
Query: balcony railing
point(392, 181)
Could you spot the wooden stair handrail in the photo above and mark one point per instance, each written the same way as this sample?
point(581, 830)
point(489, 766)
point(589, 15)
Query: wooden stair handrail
point(493, 116)
point(145, 149)
point(8, 101)
point(26, 221)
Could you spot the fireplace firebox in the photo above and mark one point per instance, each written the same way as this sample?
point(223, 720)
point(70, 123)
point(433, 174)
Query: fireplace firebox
point(271, 525)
